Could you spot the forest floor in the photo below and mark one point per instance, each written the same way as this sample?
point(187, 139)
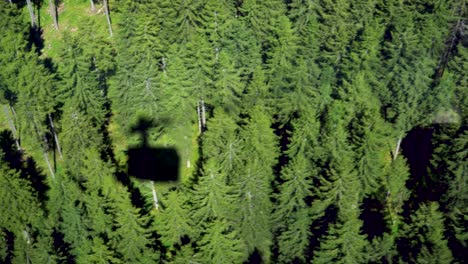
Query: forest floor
point(70, 17)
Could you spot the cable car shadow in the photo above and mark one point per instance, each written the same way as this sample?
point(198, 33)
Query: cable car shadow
point(160, 164)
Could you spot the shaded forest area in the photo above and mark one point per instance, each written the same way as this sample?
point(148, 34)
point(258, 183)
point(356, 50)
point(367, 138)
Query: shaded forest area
point(298, 131)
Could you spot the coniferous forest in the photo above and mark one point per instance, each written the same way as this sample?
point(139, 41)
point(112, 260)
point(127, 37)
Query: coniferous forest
point(282, 131)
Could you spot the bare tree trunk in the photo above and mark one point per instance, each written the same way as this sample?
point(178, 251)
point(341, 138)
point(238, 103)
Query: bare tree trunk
point(46, 158)
point(199, 118)
point(53, 12)
point(203, 113)
point(455, 36)
point(14, 112)
point(59, 149)
point(31, 13)
point(397, 149)
point(40, 137)
point(10, 122)
point(93, 8)
point(155, 197)
point(106, 8)
point(44, 152)
point(27, 238)
point(163, 62)
point(12, 127)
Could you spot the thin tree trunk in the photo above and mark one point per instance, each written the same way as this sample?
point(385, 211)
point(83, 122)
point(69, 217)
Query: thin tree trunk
point(46, 158)
point(15, 117)
point(12, 127)
point(28, 241)
point(203, 113)
point(10, 122)
point(31, 13)
point(42, 137)
point(14, 112)
point(93, 8)
point(106, 8)
point(44, 151)
point(199, 118)
point(59, 149)
point(164, 65)
point(53, 12)
point(155, 196)
point(397, 149)
point(26, 237)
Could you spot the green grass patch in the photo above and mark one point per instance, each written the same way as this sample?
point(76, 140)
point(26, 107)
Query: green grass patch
point(73, 18)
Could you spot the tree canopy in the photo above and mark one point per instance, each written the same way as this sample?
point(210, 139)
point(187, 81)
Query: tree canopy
point(325, 131)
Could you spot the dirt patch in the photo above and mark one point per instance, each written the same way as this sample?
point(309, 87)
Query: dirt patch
point(60, 8)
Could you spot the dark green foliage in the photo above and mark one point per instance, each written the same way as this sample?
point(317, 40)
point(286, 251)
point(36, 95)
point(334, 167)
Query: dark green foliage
point(450, 174)
point(289, 119)
point(459, 65)
point(80, 90)
point(424, 237)
point(174, 222)
point(24, 227)
point(220, 245)
point(292, 214)
point(262, 16)
point(131, 239)
point(253, 184)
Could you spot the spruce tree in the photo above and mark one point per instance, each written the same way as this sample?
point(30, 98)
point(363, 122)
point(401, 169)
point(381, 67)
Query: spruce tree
point(423, 239)
point(282, 64)
point(131, 238)
point(293, 215)
point(340, 187)
point(222, 145)
point(80, 89)
point(173, 223)
point(448, 169)
point(23, 218)
point(220, 244)
point(262, 16)
point(253, 184)
point(100, 253)
point(227, 84)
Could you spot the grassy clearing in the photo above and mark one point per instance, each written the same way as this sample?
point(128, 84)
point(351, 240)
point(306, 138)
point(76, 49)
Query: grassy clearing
point(72, 15)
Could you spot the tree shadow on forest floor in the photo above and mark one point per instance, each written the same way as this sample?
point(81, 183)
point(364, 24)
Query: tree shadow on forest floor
point(417, 149)
point(27, 167)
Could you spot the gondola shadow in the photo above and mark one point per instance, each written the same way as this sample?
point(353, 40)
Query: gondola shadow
point(159, 164)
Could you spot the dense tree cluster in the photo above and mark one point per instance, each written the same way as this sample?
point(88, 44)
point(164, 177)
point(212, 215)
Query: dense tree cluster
point(295, 121)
